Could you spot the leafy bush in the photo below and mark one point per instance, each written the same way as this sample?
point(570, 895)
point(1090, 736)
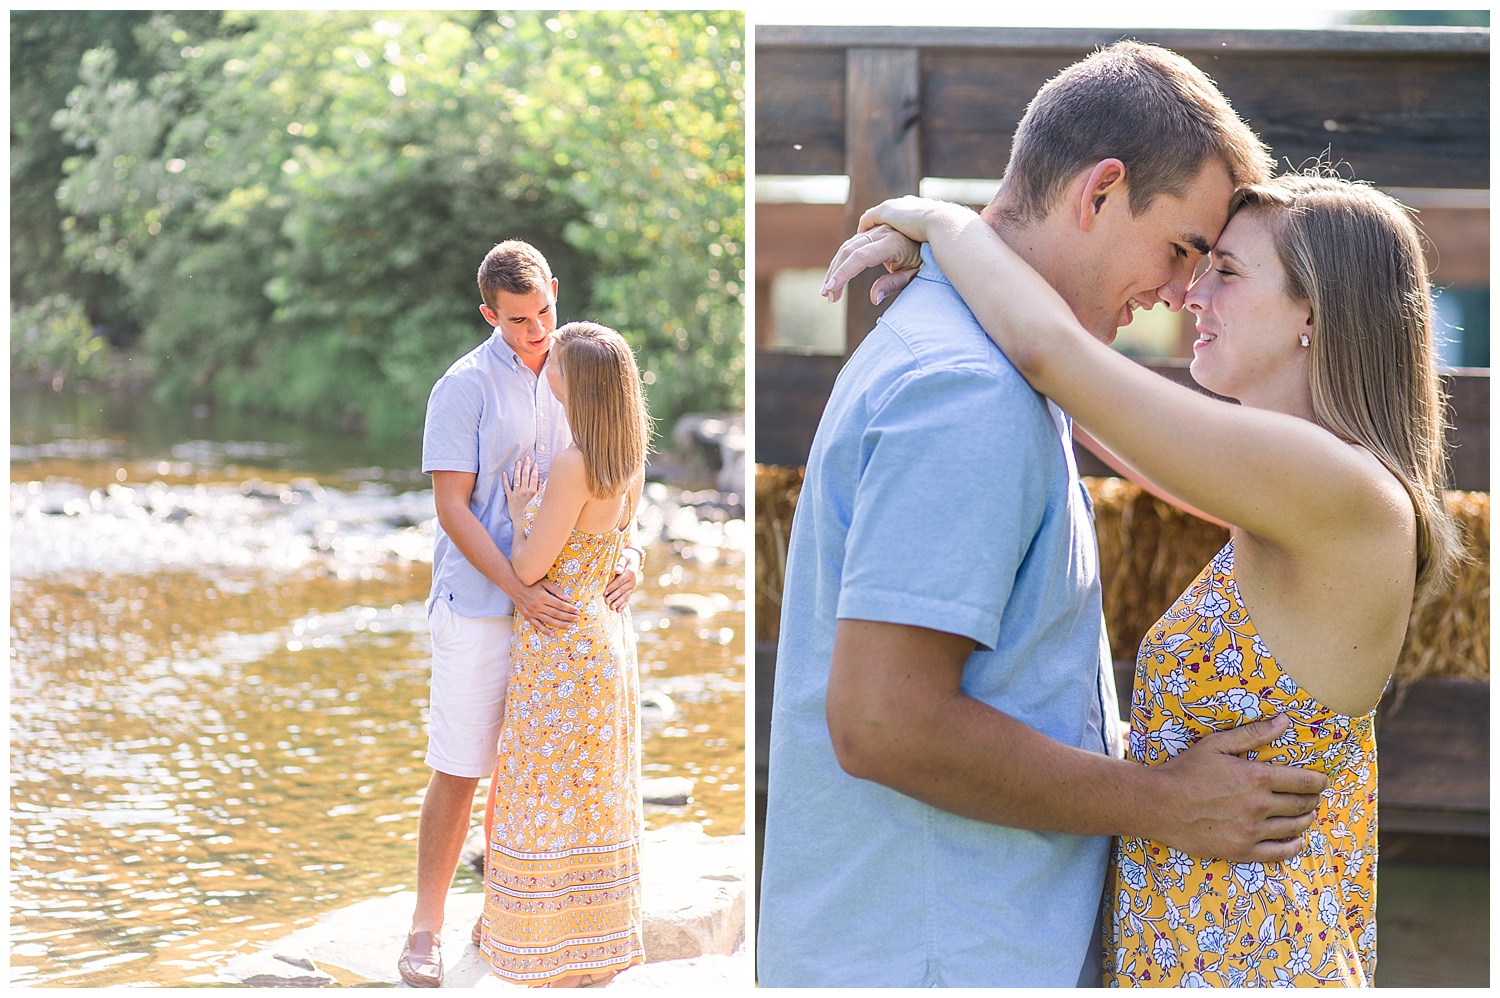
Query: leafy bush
point(55, 339)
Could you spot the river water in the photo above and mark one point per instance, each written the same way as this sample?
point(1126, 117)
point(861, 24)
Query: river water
point(219, 676)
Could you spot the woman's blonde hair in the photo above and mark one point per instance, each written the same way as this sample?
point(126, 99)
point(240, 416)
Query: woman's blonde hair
point(1354, 255)
point(606, 405)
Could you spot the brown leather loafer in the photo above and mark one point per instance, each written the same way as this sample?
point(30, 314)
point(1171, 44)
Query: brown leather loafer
point(592, 981)
point(584, 980)
point(421, 963)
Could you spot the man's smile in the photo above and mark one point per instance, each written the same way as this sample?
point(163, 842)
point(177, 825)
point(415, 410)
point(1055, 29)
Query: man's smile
point(1131, 304)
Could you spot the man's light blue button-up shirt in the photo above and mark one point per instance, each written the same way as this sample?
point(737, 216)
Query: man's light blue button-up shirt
point(940, 493)
point(487, 411)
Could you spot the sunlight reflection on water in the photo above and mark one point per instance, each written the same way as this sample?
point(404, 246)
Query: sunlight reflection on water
point(218, 694)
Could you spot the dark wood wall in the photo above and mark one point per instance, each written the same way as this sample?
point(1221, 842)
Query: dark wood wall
point(1392, 101)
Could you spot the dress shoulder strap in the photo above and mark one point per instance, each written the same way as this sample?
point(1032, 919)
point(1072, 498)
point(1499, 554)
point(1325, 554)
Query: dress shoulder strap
point(629, 515)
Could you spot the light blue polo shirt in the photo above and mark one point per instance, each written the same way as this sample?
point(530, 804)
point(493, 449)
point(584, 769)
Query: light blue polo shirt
point(941, 493)
point(483, 414)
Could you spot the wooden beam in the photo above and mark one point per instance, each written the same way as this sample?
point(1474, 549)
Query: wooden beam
point(881, 138)
point(795, 236)
point(1345, 39)
point(790, 393)
point(1459, 240)
point(1468, 434)
point(1394, 119)
point(791, 390)
point(1435, 758)
point(1402, 107)
point(799, 111)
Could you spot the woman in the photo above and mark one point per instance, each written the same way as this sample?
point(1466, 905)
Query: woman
point(1315, 313)
point(562, 885)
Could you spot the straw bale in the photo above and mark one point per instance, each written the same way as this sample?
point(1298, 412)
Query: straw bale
point(1449, 633)
point(1149, 551)
point(776, 491)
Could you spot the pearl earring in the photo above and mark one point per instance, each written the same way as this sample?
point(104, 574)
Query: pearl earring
point(1305, 341)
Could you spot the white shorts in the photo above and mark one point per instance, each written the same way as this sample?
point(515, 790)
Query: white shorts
point(470, 673)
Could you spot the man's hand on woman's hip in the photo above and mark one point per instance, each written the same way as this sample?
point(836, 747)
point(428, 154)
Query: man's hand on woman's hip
point(545, 608)
point(1217, 804)
point(628, 575)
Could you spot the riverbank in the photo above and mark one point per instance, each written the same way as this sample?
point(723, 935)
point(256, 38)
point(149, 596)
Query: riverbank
point(694, 894)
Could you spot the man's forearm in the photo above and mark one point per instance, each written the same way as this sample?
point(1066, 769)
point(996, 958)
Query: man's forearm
point(897, 715)
point(1206, 802)
point(968, 758)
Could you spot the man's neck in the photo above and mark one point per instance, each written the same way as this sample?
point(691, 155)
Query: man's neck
point(1033, 243)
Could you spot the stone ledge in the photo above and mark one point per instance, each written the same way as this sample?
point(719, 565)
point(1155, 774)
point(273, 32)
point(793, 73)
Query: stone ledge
point(694, 928)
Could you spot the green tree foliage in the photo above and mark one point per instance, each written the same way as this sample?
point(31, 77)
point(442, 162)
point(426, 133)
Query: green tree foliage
point(54, 339)
point(296, 207)
point(45, 49)
point(643, 117)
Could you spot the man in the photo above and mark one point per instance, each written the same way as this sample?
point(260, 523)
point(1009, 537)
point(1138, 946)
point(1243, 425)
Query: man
point(491, 408)
point(944, 767)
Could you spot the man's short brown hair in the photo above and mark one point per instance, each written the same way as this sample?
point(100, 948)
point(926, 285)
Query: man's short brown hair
point(1141, 104)
point(515, 267)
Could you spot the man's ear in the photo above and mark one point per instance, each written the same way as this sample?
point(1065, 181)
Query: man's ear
point(489, 315)
point(1104, 182)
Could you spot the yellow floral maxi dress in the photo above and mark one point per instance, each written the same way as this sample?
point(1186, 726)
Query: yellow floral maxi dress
point(1176, 920)
point(562, 889)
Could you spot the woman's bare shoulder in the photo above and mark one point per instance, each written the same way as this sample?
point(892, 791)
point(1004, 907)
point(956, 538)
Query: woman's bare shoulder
point(568, 464)
point(1386, 504)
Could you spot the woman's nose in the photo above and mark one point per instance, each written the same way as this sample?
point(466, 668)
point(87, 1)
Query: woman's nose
point(1197, 294)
